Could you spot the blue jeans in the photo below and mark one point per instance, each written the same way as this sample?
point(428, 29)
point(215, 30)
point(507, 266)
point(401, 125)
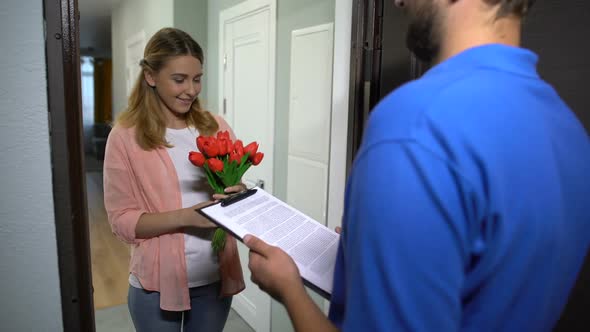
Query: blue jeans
point(208, 312)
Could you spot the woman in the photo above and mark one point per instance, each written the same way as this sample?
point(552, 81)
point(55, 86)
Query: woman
point(151, 191)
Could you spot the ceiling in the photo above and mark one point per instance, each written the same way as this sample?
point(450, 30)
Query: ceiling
point(95, 26)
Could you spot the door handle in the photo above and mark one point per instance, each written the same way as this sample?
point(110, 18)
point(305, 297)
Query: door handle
point(254, 183)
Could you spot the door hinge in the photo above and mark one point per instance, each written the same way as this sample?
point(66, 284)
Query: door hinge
point(224, 61)
point(224, 106)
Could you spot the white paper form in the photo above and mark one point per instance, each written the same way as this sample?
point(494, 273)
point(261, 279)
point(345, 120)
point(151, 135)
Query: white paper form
point(312, 245)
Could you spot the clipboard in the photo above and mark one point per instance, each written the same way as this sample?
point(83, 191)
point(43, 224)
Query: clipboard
point(316, 274)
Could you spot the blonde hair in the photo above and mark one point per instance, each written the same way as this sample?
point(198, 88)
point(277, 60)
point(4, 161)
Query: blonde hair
point(143, 110)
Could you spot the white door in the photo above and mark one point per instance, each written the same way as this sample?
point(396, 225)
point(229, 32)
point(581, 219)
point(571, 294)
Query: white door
point(133, 54)
point(247, 83)
point(309, 119)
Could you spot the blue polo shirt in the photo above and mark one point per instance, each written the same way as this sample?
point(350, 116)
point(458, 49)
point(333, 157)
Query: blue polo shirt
point(468, 206)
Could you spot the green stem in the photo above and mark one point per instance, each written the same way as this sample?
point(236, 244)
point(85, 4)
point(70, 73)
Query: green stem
point(218, 242)
point(230, 176)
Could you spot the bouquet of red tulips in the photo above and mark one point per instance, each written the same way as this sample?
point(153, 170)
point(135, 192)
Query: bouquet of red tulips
point(224, 162)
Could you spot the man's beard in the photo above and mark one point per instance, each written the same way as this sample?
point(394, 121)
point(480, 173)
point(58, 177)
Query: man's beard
point(423, 36)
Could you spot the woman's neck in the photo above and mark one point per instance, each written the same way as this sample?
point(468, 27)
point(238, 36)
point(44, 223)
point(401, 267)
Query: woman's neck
point(176, 123)
point(173, 120)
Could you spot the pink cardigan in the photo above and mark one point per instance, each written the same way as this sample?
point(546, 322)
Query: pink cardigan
point(137, 181)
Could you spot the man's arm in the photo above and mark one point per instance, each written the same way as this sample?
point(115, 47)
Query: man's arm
point(404, 246)
point(404, 242)
point(275, 273)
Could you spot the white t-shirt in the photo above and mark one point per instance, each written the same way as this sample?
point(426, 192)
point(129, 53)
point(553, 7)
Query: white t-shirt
point(201, 263)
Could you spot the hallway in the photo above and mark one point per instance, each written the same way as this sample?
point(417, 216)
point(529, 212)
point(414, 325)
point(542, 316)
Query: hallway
point(109, 256)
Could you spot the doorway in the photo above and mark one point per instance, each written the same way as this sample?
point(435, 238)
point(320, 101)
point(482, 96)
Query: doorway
point(295, 15)
point(71, 213)
point(247, 46)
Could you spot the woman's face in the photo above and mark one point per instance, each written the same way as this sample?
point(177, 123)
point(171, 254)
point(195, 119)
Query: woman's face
point(178, 83)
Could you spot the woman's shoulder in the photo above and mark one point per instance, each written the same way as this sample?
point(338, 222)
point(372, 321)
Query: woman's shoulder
point(223, 125)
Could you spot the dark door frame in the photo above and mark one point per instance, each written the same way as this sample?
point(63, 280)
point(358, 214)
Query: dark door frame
point(365, 55)
point(365, 69)
point(67, 163)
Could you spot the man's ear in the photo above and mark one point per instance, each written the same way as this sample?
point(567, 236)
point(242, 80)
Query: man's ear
point(149, 78)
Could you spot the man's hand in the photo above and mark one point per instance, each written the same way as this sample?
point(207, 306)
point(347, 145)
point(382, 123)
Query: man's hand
point(275, 273)
point(273, 270)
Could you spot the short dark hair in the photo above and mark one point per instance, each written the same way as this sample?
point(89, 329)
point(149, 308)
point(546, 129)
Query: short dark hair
point(512, 7)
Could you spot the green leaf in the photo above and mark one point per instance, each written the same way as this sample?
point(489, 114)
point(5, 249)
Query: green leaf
point(243, 169)
point(214, 180)
point(230, 176)
point(224, 173)
point(244, 159)
point(233, 171)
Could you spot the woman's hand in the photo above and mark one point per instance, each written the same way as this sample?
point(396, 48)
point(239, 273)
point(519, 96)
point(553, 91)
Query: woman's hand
point(151, 225)
point(230, 190)
point(194, 219)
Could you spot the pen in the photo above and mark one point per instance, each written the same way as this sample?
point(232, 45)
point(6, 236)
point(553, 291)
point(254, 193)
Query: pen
point(237, 197)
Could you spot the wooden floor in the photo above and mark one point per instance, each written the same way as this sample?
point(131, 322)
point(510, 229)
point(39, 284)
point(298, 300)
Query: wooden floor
point(110, 257)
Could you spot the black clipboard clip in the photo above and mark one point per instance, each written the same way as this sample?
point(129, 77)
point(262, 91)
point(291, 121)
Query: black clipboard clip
point(234, 198)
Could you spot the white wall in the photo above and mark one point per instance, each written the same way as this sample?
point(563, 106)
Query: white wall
point(29, 287)
point(128, 18)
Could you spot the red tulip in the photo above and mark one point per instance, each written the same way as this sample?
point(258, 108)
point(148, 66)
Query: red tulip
point(257, 158)
point(223, 135)
point(222, 145)
point(239, 147)
point(215, 164)
point(210, 147)
point(234, 156)
point(196, 158)
point(200, 141)
point(251, 149)
point(229, 145)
